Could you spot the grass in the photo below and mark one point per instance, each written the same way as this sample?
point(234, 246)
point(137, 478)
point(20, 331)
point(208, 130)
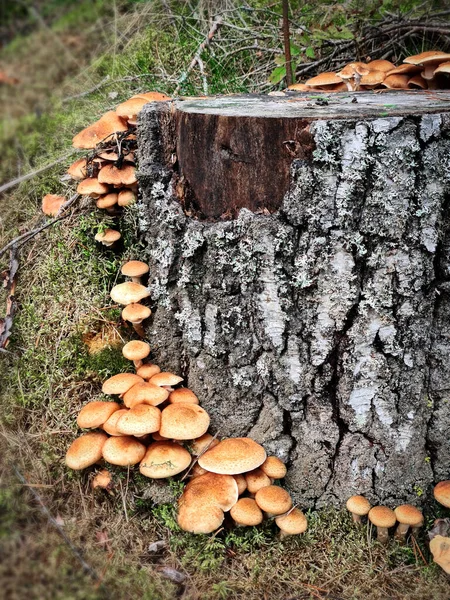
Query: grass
point(67, 338)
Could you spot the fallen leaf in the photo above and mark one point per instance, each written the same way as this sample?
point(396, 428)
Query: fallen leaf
point(172, 574)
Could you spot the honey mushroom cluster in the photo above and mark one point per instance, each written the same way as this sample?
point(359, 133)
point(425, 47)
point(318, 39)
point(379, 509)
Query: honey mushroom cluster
point(164, 429)
point(427, 70)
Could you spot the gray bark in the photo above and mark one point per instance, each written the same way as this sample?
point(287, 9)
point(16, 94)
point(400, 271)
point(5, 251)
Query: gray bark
point(321, 330)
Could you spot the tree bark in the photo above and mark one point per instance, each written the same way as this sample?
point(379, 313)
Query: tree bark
point(320, 325)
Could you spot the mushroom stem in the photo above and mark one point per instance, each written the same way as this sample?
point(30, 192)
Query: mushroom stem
point(138, 363)
point(416, 530)
point(136, 280)
point(356, 519)
point(383, 535)
point(401, 531)
point(139, 329)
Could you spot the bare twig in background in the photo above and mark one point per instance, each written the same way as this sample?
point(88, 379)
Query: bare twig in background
point(197, 58)
point(25, 237)
point(27, 176)
point(87, 568)
point(287, 44)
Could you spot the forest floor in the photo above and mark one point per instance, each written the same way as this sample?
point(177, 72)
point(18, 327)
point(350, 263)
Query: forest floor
point(67, 338)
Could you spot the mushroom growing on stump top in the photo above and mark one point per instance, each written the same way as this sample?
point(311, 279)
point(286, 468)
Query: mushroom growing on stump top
point(441, 493)
point(108, 237)
point(136, 351)
point(429, 60)
point(407, 516)
point(383, 518)
point(123, 451)
point(292, 523)
point(86, 450)
point(233, 456)
point(129, 293)
point(359, 506)
point(164, 459)
point(246, 512)
point(135, 269)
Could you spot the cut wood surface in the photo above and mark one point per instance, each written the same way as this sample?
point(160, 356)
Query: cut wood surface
point(319, 328)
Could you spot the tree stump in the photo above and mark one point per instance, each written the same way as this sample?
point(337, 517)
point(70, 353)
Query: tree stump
point(299, 252)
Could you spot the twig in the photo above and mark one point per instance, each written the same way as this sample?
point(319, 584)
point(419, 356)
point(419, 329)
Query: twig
point(25, 237)
point(14, 182)
point(197, 58)
point(87, 568)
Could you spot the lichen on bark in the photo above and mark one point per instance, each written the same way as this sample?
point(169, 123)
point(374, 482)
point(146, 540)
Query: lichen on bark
point(321, 330)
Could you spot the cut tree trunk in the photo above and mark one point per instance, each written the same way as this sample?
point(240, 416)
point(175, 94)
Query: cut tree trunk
point(300, 269)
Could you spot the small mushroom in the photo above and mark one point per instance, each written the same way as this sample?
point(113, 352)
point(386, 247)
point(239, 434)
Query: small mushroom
point(136, 351)
point(183, 395)
point(407, 516)
point(108, 202)
point(274, 468)
point(145, 393)
point(232, 456)
point(129, 293)
point(246, 512)
point(120, 383)
point(359, 506)
point(256, 480)
point(51, 204)
point(136, 313)
point(126, 198)
point(140, 420)
point(293, 522)
point(86, 450)
point(105, 127)
point(441, 493)
point(94, 414)
point(102, 480)
point(92, 187)
point(166, 380)
point(273, 500)
point(147, 371)
point(123, 451)
point(108, 237)
point(135, 269)
point(184, 422)
point(164, 459)
point(383, 518)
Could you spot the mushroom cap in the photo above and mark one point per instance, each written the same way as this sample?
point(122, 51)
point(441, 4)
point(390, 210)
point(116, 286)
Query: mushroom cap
point(246, 512)
point(158, 437)
point(196, 471)
point(233, 456)
point(140, 420)
point(405, 69)
point(86, 450)
point(145, 393)
point(120, 383)
point(300, 87)
point(373, 78)
point(110, 426)
point(349, 71)
point(440, 549)
point(323, 80)
point(428, 57)
point(94, 414)
point(51, 204)
point(380, 64)
point(222, 490)
point(396, 82)
point(256, 480)
point(184, 395)
point(273, 499)
point(241, 483)
point(147, 371)
point(111, 174)
point(129, 293)
point(108, 124)
point(199, 519)
point(183, 421)
point(107, 200)
point(164, 459)
point(408, 515)
point(382, 516)
point(109, 236)
point(204, 441)
point(91, 185)
point(102, 479)
point(136, 350)
point(358, 505)
point(443, 68)
point(293, 523)
point(418, 81)
point(273, 467)
point(123, 451)
point(442, 493)
point(136, 313)
point(133, 105)
point(166, 378)
point(134, 268)
point(126, 198)
point(77, 170)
